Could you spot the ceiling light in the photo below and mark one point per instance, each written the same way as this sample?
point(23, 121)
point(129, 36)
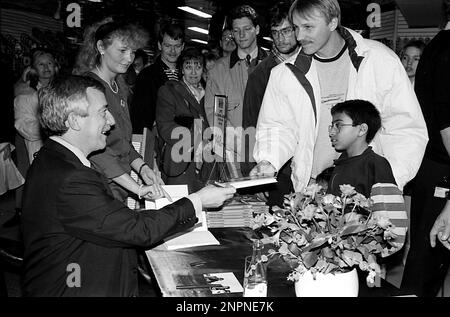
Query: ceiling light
point(265, 48)
point(196, 12)
point(199, 41)
point(199, 30)
point(268, 38)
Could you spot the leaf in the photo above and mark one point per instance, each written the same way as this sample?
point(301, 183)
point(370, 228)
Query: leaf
point(317, 242)
point(330, 268)
point(309, 259)
point(352, 257)
point(295, 250)
point(328, 253)
point(283, 249)
point(352, 229)
point(364, 251)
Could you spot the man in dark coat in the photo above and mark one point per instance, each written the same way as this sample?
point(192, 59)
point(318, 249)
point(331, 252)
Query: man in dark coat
point(151, 78)
point(284, 45)
point(79, 240)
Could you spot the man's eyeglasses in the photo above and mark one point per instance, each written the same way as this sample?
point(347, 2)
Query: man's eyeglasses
point(338, 125)
point(228, 38)
point(286, 32)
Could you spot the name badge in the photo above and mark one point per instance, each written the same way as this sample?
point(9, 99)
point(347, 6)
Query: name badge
point(440, 192)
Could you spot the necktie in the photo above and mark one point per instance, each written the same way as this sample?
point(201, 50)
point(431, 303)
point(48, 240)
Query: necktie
point(248, 58)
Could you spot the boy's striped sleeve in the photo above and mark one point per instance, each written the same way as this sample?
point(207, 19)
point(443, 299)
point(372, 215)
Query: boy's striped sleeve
point(388, 202)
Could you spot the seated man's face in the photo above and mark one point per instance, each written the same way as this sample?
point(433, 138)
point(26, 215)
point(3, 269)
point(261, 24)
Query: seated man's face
point(95, 126)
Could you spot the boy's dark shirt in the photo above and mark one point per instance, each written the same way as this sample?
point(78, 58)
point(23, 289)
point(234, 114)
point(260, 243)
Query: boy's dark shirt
point(361, 171)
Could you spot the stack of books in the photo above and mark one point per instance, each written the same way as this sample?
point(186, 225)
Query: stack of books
point(239, 212)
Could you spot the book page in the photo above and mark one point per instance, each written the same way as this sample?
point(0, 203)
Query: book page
point(176, 192)
point(198, 235)
point(249, 181)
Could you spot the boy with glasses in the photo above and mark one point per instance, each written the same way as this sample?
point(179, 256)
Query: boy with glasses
point(354, 125)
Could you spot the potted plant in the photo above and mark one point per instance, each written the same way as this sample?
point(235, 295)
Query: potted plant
point(321, 235)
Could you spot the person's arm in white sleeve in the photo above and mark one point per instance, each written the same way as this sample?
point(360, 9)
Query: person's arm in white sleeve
point(26, 119)
point(275, 131)
point(404, 135)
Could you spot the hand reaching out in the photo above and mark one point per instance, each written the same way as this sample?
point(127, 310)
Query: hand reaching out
point(263, 168)
point(150, 177)
point(441, 228)
point(212, 196)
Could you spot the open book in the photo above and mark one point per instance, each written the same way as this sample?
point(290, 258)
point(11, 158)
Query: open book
point(248, 181)
point(195, 236)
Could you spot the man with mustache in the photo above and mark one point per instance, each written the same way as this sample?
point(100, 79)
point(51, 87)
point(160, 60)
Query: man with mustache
point(79, 239)
point(284, 46)
point(335, 64)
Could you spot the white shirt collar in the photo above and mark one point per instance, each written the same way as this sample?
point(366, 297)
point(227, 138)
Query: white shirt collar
point(253, 54)
point(447, 26)
point(78, 153)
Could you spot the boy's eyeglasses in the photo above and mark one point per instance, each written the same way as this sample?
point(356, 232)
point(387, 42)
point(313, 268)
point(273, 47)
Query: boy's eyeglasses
point(286, 32)
point(337, 126)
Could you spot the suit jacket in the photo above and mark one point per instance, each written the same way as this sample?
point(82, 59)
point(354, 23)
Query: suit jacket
point(71, 220)
point(177, 107)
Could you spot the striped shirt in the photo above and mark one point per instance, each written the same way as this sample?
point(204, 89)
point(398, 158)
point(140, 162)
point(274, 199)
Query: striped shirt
point(388, 202)
point(172, 74)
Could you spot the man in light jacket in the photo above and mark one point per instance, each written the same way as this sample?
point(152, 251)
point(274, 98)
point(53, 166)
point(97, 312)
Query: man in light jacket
point(335, 64)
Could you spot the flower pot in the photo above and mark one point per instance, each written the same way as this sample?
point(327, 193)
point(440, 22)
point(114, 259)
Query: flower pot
point(328, 285)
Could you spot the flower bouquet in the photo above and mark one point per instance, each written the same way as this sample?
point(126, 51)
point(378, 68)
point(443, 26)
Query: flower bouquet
point(324, 233)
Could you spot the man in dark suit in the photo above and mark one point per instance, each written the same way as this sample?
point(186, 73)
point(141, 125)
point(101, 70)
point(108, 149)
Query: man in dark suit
point(79, 240)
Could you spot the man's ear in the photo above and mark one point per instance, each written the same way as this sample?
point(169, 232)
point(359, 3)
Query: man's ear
point(72, 122)
point(257, 29)
point(363, 129)
point(333, 24)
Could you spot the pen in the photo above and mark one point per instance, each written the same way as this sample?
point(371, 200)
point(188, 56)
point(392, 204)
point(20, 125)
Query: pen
point(215, 286)
point(166, 194)
point(217, 184)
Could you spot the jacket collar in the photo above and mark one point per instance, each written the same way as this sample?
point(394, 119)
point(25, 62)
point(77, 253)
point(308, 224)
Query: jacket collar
point(234, 57)
point(303, 62)
point(343, 159)
point(67, 155)
point(183, 90)
point(354, 43)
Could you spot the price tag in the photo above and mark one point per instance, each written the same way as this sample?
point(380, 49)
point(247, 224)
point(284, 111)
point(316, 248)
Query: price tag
point(440, 192)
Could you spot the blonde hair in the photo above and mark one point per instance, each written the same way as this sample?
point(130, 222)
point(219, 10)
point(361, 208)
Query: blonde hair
point(329, 8)
point(106, 31)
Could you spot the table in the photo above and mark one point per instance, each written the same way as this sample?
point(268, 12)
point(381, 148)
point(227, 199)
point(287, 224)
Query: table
point(187, 266)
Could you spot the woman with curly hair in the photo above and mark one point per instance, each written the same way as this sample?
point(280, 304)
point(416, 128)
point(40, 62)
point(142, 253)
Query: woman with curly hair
point(108, 50)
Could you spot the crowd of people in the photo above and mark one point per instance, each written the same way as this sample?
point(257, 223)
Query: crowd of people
point(323, 101)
